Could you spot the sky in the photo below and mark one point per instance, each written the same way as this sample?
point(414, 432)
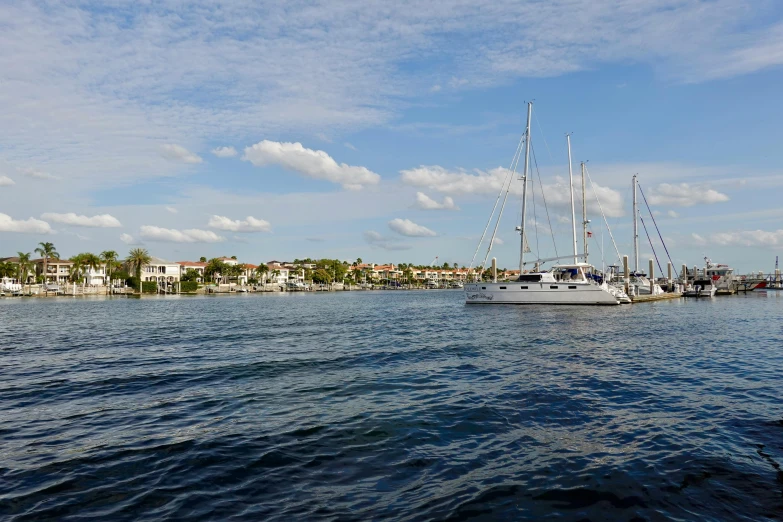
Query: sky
point(384, 131)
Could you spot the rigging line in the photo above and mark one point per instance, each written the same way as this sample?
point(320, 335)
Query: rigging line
point(546, 207)
point(651, 245)
point(500, 214)
point(541, 131)
point(657, 229)
point(505, 181)
point(595, 193)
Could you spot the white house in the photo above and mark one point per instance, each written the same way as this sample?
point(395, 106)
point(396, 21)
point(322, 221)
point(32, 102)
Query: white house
point(161, 271)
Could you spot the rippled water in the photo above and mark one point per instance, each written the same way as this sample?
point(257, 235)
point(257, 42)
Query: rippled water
point(401, 405)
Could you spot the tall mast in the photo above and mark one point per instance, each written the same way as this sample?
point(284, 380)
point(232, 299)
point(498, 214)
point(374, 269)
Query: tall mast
point(584, 213)
point(524, 188)
point(571, 189)
point(635, 228)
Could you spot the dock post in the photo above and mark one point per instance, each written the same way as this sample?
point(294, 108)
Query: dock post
point(684, 276)
point(652, 279)
point(494, 270)
point(626, 274)
point(671, 281)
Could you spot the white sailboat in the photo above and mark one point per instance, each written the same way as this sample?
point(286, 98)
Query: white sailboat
point(574, 283)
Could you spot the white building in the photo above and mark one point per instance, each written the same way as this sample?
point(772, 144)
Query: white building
point(161, 271)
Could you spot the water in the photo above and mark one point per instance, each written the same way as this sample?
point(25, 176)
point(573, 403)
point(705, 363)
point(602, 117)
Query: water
point(390, 405)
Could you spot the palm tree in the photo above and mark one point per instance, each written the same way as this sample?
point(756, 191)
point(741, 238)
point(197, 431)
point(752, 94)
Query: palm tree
point(7, 269)
point(77, 268)
point(24, 266)
point(137, 258)
point(109, 257)
point(46, 251)
point(90, 261)
point(263, 269)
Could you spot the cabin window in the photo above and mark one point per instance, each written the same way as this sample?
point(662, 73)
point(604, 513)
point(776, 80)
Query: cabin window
point(502, 287)
point(572, 288)
point(523, 287)
point(553, 287)
point(483, 287)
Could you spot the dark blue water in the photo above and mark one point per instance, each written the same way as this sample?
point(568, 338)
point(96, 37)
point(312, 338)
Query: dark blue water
point(390, 405)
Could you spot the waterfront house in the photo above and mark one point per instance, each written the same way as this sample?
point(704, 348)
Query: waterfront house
point(57, 270)
point(198, 266)
point(94, 276)
point(160, 271)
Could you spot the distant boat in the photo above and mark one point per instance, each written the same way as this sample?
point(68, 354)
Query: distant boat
point(574, 283)
point(722, 276)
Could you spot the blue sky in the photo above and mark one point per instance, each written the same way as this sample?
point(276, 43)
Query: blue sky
point(273, 131)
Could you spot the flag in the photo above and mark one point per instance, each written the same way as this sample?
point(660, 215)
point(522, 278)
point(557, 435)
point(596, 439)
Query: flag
point(589, 234)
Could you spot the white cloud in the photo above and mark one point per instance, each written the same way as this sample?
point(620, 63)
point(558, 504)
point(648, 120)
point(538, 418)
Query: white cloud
point(349, 145)
point(490, 182)
point(315, 164)
point(424, 202)
point(406, 227)
point(27, 226)
point(5, 181)
point(128, 239)
point(224, 152)
point(758, 238)
point(685, 195)
point(498, 242)
point(171, 210)
point(179, 153)
point(375, 239)
point(171, 235)
point(435, 88)
point(698, 240)
point(672, 214)
point(37, 174)
point(98, 221)
point(249, 224)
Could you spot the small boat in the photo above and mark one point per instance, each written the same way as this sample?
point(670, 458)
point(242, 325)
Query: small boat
point(722, 276)
point(701, 288)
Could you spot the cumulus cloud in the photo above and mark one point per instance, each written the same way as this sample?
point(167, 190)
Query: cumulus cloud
point(37, 174)
point(249, 224)
point(672, 214)
point(179, 153)
point(760, 238)
point(224, 152)
point(5, 181)
point(685, 195)
point(171, 235)
point(70, 218)
point(406, 227)
point(26, 226)
point(424, 202)
point(490, 182)
point(498, 242)
point(128, 239)
point(699, 240)
point(315, 164)
point(375, 239)
point(172, 210)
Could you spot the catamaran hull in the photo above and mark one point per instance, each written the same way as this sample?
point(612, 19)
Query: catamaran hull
point(538, 293)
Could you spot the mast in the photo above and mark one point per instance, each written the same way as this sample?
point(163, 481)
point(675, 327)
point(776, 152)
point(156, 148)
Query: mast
point(571, 190)
point(584, 214)
point(635, 227)
point(524, 188)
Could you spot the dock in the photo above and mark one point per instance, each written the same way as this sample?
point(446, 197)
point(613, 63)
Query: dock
point(657, 297)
